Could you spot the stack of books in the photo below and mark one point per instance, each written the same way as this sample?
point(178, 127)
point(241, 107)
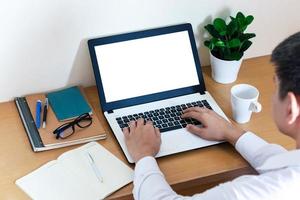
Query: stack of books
point(64, 106)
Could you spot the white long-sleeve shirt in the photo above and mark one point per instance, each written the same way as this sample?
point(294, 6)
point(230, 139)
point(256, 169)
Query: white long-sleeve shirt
point(278, 179)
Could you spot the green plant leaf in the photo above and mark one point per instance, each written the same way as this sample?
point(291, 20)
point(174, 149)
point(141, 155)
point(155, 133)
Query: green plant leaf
point(220, 26)
point(241, 21)
point(232, 27)
point(234, 56)
point(219, 43)
point(234, 43)
point(246, 36)
point(249, 19)
point(245, 45)
point(207, 43)
point(212, 44)
point(212, 31)
point(240, 15)
point(237, 55)
point(244, 28)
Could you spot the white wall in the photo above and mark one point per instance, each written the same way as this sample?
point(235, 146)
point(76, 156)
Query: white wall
point(43, 43)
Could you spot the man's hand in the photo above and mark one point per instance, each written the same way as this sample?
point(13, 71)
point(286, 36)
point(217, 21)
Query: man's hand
point(142, 140)
point(214, 126)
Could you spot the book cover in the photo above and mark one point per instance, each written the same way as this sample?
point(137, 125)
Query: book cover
point(68, 103)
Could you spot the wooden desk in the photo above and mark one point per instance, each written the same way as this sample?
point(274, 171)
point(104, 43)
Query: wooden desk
point(188, 172)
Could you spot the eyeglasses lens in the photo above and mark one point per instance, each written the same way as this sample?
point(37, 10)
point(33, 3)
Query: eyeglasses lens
point(66, 132)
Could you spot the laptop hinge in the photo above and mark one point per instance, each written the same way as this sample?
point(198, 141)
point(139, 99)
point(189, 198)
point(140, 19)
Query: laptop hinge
point(110, 111)
point(202, 92)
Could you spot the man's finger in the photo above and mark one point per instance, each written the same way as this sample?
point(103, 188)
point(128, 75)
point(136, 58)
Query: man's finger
point(140, 122)
point(149, 122)
point(196, 130)
point(126, 132)
point(194, 109)
point(132, 125)
point(192, 114)
point(157, 131)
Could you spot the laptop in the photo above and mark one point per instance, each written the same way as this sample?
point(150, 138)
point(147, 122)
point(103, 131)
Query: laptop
point(152, 74)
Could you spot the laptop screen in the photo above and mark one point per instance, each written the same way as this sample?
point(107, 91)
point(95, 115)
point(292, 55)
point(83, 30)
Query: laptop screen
point(147, 65)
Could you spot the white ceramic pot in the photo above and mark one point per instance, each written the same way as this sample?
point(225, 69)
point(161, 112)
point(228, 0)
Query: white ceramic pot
point(224, 71)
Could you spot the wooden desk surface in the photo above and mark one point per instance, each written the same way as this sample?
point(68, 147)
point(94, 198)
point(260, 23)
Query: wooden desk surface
point(188, 172)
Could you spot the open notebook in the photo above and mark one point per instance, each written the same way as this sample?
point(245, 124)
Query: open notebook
point(72, 176)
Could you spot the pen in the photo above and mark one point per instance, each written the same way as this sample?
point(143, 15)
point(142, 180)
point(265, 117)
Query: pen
point(95, 168)
point(38, 113)
point(45, 113)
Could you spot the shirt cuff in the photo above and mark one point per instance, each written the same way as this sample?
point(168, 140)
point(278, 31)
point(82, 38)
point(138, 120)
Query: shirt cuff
point(144, 168)
point(248, 144)
point(145, 165)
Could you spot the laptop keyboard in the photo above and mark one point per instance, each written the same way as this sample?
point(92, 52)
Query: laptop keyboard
point(166, 119)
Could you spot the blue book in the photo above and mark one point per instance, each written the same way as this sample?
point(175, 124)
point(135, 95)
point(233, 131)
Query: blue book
point(68, 103)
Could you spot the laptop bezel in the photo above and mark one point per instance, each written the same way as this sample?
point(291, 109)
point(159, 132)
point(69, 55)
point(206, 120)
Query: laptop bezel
point(110, 106)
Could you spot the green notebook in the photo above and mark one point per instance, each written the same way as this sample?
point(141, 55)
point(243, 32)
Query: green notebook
point(68, 103)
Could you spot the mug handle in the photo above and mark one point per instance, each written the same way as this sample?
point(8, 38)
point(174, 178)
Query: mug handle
point(255, 107)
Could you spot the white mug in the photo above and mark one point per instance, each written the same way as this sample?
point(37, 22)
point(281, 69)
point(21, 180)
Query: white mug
point(243, 102)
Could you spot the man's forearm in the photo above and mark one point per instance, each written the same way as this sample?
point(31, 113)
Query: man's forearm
point(233, 134)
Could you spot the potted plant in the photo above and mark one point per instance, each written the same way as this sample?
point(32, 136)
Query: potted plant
point(227, 46)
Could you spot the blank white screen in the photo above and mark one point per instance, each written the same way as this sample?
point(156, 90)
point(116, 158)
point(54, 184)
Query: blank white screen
point(146, 66)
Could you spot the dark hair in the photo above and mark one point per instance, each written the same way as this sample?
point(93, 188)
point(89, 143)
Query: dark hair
point(286, 57)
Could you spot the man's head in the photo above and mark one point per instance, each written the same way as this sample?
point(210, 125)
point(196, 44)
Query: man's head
point(286, 100)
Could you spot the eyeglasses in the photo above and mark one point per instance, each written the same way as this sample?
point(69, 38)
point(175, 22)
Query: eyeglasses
point(67, 129)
